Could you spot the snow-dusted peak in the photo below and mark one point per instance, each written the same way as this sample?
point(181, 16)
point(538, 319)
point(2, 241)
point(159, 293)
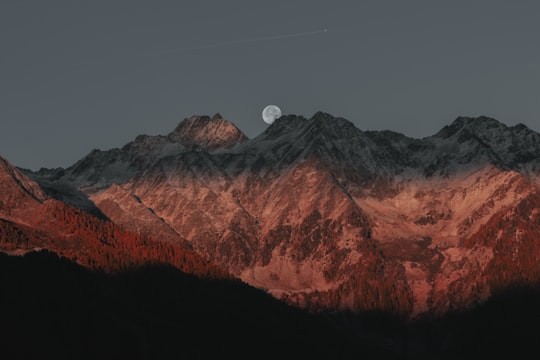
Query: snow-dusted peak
point(505, 146)
point(207, 132)
point(284, 125)
point(471, 125)
point(320, 124)
point(336, 144)
point(332, 125)
point(323, 116)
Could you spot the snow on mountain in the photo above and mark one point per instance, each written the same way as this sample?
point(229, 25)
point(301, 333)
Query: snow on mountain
point(468, 140)
point(100, 169)
point(321, 213)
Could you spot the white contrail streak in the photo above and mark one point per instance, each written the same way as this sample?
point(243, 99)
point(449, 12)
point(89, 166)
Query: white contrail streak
point(246, 41)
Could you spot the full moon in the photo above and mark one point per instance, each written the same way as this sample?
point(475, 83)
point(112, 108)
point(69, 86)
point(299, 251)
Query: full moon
point(271, 113)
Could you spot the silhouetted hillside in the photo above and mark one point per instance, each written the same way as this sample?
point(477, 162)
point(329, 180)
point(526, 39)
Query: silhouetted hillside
point(53, 308)
point(507, 326)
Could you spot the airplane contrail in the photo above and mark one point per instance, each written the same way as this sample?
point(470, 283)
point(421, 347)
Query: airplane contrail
point(245, 41)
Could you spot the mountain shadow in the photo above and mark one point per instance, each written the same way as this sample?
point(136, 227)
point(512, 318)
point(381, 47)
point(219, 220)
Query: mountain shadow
point(54, 308)
point(507, 325)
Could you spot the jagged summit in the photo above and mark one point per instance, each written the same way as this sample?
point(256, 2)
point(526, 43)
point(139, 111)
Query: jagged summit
point(319, 117)
point(292, 137)
point(284, 125)
point(323, 116)
point(325, 215)
point(100, 169)
point(470, 124)
point(207, 132)
point(507, 145)
point(332, 125)
point(320, 123)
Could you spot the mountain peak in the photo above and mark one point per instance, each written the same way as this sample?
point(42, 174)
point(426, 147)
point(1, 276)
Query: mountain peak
point(322, 116)
point(284, 125)
point(480, 121)
point(470, 124)
point(329, 121)
point(217, 116)
point(320, 120)
point(208, 133)
point(16, 187)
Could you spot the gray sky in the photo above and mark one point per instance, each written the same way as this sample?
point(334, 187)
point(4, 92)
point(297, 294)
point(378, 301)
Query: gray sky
point(78, 75)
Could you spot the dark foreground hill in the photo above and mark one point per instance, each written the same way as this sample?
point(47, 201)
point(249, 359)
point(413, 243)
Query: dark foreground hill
point(55, 309)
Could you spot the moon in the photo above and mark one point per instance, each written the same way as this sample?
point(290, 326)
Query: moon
point(271, 113)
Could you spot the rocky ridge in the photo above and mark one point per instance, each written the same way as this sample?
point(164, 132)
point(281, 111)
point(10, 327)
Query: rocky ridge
point(325, 215)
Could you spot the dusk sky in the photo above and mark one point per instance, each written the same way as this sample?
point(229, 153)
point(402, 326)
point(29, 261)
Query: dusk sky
point(79, 75)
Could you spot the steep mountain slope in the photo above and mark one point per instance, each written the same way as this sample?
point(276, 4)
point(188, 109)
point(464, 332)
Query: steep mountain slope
point(30, 220)
point(99, 169)
point(324, 215)
point(18, 191)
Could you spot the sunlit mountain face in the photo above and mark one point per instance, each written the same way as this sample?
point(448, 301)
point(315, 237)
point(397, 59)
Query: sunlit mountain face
point(316, 213)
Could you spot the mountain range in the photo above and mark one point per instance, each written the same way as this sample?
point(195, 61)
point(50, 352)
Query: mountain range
point(316, 212)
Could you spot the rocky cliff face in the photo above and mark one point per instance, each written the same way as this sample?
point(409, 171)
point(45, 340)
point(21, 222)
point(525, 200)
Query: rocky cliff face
point(327, 216)
point(30, 220)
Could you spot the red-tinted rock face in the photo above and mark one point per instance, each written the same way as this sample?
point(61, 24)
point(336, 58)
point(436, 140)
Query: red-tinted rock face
point(207, 133)
point(30, 220)
point(326, 216)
